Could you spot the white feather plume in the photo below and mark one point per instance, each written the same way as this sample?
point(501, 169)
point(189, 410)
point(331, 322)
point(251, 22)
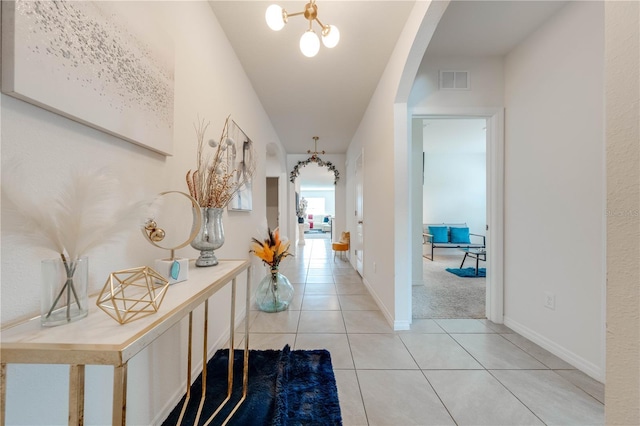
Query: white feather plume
point(89, 211)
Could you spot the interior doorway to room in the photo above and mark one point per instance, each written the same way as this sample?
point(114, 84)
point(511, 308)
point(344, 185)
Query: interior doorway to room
point(273, 200)
point(454, 195)
point(318, 189)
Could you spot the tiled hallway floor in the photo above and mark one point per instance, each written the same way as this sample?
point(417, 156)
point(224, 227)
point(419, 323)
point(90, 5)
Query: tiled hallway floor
point(441, 372)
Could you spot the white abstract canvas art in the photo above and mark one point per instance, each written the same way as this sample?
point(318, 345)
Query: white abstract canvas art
point(86, 61)
point(241, 158)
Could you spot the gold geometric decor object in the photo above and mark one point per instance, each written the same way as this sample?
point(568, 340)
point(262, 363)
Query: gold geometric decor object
point(132, 294)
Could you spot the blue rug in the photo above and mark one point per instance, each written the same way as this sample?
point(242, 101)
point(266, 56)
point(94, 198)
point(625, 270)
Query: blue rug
point(285, 388)
point(468, 272)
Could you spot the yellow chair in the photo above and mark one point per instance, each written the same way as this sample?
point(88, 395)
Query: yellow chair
point(341, 246)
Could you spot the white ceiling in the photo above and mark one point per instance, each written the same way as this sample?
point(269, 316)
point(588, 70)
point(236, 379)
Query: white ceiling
point(327, 95)
point(488, 28)
point(324, 96)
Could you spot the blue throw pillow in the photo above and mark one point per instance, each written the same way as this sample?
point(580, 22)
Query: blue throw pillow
point(439, 234)
point(460, 235)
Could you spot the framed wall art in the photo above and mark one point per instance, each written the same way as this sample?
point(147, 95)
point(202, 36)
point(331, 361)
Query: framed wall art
point(243, 162)
point(87, 61)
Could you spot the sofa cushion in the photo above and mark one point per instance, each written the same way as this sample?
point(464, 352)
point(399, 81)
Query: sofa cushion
point(439, 234)
point(460, 235)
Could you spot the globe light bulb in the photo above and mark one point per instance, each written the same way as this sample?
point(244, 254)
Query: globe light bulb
point(330, 36)
point(309, 44)
point(274, 18)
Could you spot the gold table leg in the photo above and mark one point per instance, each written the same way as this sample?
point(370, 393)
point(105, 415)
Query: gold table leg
point(76, 395)
point(188, 396)
point(204, 360)
point(245, 373)
point(119, 413)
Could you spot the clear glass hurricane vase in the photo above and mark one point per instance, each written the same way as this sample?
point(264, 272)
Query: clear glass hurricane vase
point(210, 237)
point(274, 293)
point(64, 296)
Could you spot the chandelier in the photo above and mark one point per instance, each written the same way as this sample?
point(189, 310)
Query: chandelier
point(315, 158)
point(314, 154)
point(277, 17)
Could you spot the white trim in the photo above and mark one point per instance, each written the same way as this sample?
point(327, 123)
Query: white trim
point(561, 352)
point(354, 262)
point(495, 197)
point(381, 306)
point(401, 325)
point(402, 223)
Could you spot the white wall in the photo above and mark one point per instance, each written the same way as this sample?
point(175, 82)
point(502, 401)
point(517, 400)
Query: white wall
point(485, 77)
point(48, 145)
point(385, 149)
point(554, 186)
point(454, 189)
point(329, 199)
point(622, 68)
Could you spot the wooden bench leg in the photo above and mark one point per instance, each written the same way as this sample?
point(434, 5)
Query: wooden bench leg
point(3, 393)
point(76, 395)
point(119, 409)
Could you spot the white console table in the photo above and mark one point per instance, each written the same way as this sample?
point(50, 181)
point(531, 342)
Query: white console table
point(99, 340)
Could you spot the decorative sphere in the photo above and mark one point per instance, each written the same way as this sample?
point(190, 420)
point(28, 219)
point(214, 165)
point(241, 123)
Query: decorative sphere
point(157, 235)
point(213, 143)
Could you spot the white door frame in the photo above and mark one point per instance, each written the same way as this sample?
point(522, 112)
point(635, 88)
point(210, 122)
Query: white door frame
point(495, 197)
point(356, 241)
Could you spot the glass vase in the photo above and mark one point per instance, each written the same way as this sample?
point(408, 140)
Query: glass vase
point(210, 237)
point(274, 293)
point(64, 291)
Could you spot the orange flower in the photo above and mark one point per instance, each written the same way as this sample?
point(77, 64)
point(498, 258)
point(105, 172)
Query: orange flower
point(272, 250)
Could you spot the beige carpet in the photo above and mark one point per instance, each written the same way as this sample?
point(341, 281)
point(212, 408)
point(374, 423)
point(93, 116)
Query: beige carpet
point(445, 295)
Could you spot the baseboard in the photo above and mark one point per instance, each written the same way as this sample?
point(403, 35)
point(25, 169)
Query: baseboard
point(401, 325)
point(561, 352)
point(382, 307)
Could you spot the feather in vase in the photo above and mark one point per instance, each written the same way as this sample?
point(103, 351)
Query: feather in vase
point(89, 211)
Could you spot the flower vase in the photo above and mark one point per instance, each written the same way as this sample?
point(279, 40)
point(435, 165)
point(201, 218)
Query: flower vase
point(210, 237)
point(274, 293)
point(64, 291)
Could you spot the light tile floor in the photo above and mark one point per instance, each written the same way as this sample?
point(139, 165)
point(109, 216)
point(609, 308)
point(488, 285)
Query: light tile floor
point(441, 372)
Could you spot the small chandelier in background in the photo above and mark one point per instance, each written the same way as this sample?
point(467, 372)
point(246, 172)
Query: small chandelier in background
point(277, 17)
point(314, 154)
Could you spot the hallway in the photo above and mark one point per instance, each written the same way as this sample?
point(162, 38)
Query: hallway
point(444, 371)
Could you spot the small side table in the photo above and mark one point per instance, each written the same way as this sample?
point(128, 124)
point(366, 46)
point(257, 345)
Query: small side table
point(474, 253)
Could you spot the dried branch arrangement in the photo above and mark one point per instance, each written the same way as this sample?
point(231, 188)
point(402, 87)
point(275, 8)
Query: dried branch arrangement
point(220, 175)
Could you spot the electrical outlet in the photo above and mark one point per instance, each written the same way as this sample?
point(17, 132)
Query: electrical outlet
point(549, 300)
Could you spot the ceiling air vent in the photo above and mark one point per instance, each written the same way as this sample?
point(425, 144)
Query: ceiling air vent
point(454, 80)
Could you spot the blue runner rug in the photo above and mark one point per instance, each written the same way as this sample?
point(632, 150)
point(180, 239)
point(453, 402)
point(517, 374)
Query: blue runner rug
point(285, 388)
point(468, 272)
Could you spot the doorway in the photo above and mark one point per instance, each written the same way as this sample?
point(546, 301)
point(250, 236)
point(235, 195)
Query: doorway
point(317, 188)
point(273, 200)
point(494, 297)
point(454, 192)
